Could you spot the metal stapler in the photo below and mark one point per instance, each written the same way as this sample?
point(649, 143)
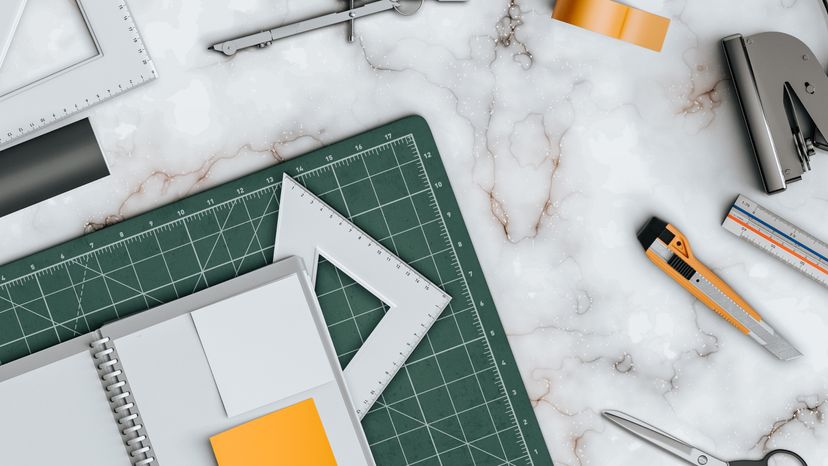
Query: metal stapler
point(783, 92)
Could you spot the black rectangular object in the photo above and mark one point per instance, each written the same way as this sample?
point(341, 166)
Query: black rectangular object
point(678, 264)
point(652, 230)
point(48, 165)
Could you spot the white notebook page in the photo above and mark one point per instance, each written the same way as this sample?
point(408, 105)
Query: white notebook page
point(58, 414)
point(180, 404)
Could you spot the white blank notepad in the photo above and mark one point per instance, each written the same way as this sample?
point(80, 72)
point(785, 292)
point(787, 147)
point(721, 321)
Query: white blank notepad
point(154, 388)
point(284, 335)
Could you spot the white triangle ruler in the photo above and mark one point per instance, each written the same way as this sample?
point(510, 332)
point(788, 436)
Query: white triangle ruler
point(121, 64)
point(12, 11)
point(308, 228)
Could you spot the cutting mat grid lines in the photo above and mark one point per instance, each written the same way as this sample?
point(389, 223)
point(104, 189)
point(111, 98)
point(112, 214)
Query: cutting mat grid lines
point(458, 400)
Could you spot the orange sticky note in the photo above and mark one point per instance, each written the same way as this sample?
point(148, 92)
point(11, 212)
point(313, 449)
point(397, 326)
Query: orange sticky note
point(291, 436)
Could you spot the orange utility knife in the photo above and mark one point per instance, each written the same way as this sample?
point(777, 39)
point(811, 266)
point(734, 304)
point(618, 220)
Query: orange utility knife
point(670, 251)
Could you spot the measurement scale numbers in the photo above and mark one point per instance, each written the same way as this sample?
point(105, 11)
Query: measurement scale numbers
point(459, 399)
point(779, 238)
point(119, 63)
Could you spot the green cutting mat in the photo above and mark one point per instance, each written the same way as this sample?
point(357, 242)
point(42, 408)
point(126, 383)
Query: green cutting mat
point(458, 401)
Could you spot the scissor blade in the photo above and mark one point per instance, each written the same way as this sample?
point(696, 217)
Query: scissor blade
point(662, 439)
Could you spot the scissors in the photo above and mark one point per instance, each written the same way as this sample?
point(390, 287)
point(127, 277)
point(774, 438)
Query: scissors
point(682, 450)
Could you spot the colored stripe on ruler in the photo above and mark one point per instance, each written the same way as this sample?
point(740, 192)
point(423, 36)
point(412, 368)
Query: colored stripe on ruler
point(781, 233)
point(778, 244)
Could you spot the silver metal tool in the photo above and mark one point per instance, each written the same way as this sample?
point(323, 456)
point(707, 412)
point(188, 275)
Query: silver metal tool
point(682, 450)
point(352, 35)
point(265, 38)
point(783, 92)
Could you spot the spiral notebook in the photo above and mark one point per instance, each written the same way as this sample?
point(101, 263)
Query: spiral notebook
point(157, 388)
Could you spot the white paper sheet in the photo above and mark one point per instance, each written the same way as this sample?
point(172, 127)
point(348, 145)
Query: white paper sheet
point(262, 346)
point(58, 414)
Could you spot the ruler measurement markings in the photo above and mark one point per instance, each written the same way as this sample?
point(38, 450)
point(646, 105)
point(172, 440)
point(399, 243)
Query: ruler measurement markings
point(73, 108)
point(454, 258)
point(473, 308)
point(206, 210)
point(403, 141)
point(119, 302)
point(431, 255)
point(776, 236)
point(325, 213)
point(789, 248)
point(255, 232)
point(788, 237)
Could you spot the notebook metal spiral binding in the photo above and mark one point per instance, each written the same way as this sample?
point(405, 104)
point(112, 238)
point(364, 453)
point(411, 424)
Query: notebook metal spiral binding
point(122, 402)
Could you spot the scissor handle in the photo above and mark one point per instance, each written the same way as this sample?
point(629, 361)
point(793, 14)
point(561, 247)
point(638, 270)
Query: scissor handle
point(764, 461)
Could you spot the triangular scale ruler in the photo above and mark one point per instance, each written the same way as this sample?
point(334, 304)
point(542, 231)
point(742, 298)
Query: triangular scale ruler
point(309, 228)
point(778, 237)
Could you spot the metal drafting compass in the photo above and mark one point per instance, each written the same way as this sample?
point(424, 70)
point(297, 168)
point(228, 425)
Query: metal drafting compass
point(265, 38)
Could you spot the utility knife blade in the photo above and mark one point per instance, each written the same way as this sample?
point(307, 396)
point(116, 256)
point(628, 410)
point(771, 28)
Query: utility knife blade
point(668, 249)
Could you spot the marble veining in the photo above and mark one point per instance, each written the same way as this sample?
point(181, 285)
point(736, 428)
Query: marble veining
point(559, 144)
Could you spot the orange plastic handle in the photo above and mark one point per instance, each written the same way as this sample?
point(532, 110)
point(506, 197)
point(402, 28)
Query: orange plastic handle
point(615, 20)
point(681, 247)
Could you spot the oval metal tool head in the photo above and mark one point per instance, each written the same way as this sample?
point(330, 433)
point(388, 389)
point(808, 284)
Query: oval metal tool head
point(407, 7)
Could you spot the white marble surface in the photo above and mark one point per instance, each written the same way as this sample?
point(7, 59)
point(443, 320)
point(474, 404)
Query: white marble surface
point(560, 144)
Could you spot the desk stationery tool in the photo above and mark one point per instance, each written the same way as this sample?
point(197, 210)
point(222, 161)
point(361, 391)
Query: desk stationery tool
point(121, 64)
point(291, 436)
point(153, 388)
point(310, 229)
point(12, 10)
point(685, 451)
point(615, 20)
point(668, 249)
point(783, 93)
point(459, 398)
point(781, 239)
point(265, 38)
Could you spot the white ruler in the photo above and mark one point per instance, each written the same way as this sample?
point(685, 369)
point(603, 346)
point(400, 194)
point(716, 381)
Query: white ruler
point(309, 228)
point(122, 64)
point(778, 237)
point(12, 11)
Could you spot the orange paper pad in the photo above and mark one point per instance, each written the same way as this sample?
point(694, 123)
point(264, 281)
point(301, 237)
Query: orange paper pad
point(615, 20)
point(291, 436)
